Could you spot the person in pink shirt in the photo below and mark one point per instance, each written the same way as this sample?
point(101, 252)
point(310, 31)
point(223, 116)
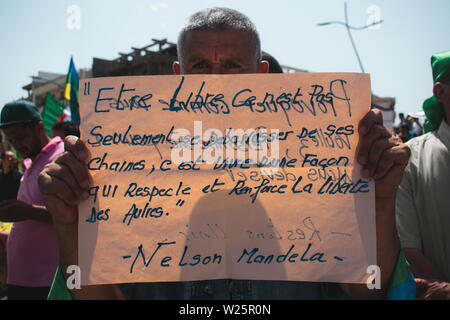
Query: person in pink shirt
point(32, 250)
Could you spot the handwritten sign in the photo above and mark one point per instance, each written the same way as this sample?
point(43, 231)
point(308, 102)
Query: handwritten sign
point(225, 176)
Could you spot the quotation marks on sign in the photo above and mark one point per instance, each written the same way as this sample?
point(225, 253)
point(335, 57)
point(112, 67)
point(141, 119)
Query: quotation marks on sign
point(87, 88)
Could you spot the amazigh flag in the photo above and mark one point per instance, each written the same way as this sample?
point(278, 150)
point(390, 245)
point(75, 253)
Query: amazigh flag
point(71, 92)
point(53, 110)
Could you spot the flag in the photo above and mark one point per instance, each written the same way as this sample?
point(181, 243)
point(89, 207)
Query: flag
point(65, 116)
point(53, 110)
point(71, 92)
point(19, 158)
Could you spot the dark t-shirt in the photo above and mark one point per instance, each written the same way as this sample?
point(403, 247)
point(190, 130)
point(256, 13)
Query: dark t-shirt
point(9, 184)
point(224, 289)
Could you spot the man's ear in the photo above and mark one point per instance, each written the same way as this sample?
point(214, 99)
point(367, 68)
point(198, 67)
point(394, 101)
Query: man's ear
point(41, 128)
point(263, 66)
point(438, 90)
point(176, 67)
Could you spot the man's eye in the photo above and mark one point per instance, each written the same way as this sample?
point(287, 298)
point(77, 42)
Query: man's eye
point(231, 65)
point(200, 65)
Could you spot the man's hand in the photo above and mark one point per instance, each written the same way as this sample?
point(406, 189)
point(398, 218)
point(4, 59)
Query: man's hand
point(65, 182)
point(12, 210)
point(382, 155)
point(16, 210)
point(428, 290)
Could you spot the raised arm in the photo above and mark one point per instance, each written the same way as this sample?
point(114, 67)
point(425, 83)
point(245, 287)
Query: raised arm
point(383, 157)
point(16, 210)
point(63, 184)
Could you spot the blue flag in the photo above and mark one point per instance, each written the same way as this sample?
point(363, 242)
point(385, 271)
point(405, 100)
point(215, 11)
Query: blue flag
point(71, 92)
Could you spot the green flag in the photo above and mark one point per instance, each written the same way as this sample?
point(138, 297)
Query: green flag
point(52, 109)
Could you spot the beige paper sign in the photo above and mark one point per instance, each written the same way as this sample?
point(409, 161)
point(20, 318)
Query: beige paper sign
point(225, 176)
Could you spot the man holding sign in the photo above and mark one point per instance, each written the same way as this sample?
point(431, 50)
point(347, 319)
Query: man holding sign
point(219, 41)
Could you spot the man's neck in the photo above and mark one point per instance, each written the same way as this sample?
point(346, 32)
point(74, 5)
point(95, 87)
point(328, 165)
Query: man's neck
point(45, 141)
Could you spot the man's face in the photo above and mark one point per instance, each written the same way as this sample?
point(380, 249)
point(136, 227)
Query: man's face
point(443, 93)
point(218, 52)
point(9, 161)
point(25, 139)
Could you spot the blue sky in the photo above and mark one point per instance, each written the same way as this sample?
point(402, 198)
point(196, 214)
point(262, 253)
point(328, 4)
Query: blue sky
point(36, 37)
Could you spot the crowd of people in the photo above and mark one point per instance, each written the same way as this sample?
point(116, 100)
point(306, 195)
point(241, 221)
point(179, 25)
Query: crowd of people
point(409, 127)
point(410, 169)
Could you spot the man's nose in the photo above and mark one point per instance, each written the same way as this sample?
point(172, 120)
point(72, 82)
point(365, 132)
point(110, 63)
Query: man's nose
point(216, 68)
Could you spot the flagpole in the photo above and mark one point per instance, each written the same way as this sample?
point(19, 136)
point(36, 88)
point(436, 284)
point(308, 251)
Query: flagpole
point(348, 27)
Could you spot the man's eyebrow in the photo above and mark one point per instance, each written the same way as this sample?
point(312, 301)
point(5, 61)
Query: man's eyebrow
point(232, 59)
point(194, 57)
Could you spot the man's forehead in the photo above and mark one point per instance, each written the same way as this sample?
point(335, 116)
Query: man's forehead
point(199, 44)
point(214, 38)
